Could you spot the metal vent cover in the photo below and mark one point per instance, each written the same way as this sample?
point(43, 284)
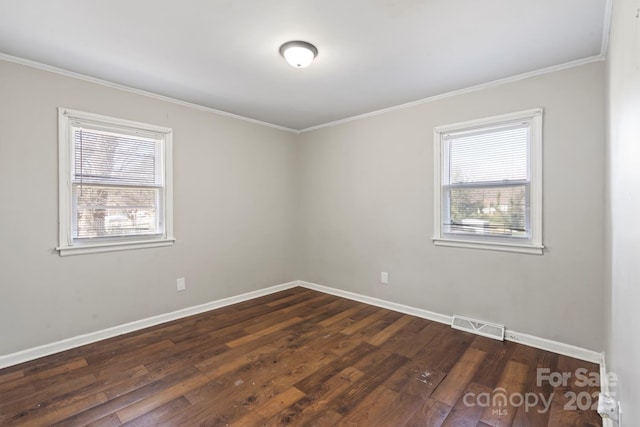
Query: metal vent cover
point(478, 327)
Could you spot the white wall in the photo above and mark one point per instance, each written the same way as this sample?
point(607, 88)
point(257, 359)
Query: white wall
point(623, 227)
point(234, 198)
point(255, 206)
point(366, 204)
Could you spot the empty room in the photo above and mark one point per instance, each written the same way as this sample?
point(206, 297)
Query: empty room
point(320, 213)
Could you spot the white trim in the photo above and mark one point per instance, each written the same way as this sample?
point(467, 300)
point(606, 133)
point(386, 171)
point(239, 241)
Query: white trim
point(537, 180)
point(77, 341)
point(518, 337)
point(606, 28)
point(112, 247)
point(64, 184)
point(511, 79)
point(533, 244)
point(499, 82)
point(80, 340)
point(86, 78)
point(604, 378)
point(66, 243)
point(116, 121)
point(605, 388)
point(490, 246)
point(553, 346)
point(69, 343)
point(401, 308)
point(487, 121)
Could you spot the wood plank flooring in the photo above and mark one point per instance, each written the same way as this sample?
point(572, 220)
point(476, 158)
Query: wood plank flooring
point(298, 358)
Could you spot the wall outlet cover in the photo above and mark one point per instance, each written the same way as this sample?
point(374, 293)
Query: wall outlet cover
point(384, 278)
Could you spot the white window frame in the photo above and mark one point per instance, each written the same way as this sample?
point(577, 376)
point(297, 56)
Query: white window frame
point(67, 244)
point(532, 245)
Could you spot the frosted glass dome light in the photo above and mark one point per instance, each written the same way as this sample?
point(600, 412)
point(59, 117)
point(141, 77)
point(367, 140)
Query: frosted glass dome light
point(298, 54)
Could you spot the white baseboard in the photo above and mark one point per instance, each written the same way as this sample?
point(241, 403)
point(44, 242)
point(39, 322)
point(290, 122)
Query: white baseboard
point(554, 346)
point(69, 343)
point(418, 312)
point(77, 341)
point(529, 340)
point(605, 388)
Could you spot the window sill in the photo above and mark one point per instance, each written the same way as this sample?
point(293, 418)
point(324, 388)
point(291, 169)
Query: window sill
point(491, 246)
point(111, 247)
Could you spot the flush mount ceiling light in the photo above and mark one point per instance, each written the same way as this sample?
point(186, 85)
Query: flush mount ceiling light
point(298, 54)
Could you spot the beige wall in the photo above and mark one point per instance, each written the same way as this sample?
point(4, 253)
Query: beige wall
point(255, 206)
point(623, 228)
point(367, 206)
point(234, 197)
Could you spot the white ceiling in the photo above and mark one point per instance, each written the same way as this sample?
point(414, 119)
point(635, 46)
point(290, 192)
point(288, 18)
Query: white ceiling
point(373, 54)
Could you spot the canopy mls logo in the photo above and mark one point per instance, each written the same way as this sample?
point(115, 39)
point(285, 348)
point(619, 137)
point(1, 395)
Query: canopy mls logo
point(501, 400)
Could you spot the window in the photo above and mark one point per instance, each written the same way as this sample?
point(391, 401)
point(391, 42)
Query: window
point(115, 184)
point(488, 183)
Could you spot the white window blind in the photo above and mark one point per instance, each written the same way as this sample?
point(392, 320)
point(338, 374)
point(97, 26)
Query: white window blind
point(115, 183)
point(488, 183)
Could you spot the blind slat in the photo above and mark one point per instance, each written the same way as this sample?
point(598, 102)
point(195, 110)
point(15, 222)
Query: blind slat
point(486, 182)
point(117, 184)
point(107, 157)
point(495, 156)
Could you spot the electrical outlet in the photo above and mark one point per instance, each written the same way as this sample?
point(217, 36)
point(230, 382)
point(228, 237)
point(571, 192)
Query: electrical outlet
point(181, 284)
point(384, 278)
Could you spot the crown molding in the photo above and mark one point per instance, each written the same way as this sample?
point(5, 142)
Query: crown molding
point(606, 28)
point(86, 78)
point(475, 88)
point(499, 82)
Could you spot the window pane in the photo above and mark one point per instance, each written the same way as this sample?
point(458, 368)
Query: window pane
point(102, 157)
point(498, 211)
point(497, 155)
point(106, 211)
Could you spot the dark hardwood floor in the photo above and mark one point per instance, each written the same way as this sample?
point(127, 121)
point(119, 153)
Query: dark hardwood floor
point(298, 357)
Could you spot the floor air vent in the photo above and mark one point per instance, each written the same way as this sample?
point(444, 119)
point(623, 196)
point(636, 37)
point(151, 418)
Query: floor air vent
point(478, 327)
